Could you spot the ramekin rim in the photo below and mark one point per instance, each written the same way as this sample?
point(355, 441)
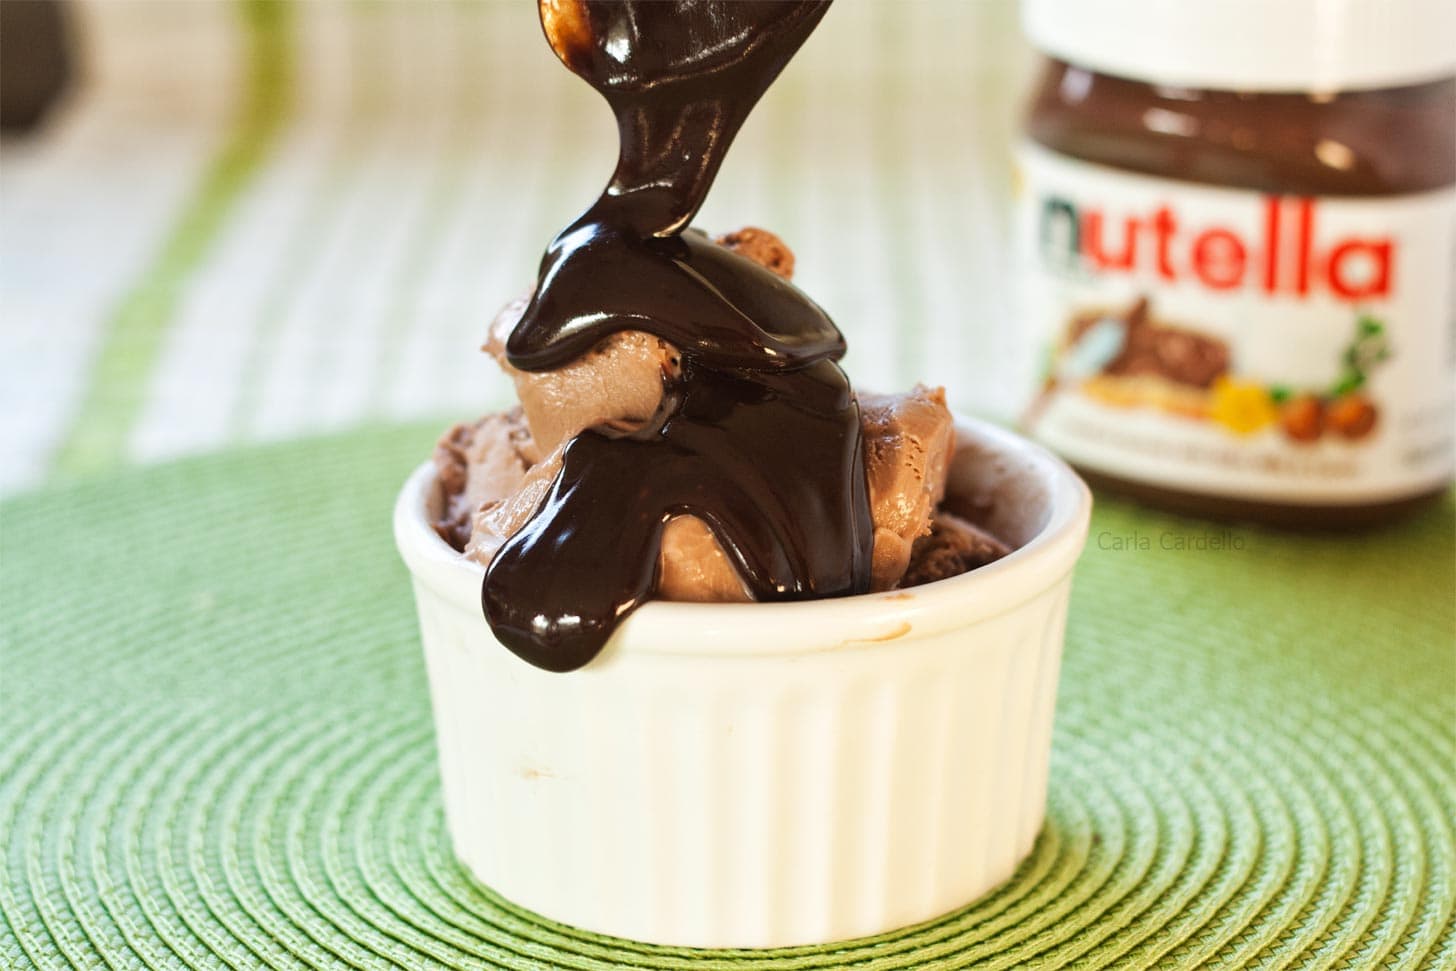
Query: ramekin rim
point(866, 621)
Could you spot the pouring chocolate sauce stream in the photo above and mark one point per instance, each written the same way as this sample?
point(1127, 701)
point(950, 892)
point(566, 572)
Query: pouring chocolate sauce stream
point(760, 435)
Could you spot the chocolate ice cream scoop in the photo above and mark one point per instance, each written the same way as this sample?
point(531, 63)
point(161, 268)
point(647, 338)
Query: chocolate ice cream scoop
point(908, 444)
point(692, 565)
point(480, 463)
point(950, 547)
point(617, 384)
point(908, 441)
point(620, 385)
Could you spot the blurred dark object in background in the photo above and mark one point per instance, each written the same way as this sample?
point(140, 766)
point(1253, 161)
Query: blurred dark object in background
point(35, 60)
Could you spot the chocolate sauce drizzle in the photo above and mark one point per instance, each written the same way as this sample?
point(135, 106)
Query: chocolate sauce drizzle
point(760, 434)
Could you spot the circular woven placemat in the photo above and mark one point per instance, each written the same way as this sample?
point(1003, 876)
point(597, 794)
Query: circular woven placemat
point(215, 745)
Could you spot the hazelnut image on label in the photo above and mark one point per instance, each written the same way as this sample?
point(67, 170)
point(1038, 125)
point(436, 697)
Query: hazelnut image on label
point(1352, 415)
point(1302, 418)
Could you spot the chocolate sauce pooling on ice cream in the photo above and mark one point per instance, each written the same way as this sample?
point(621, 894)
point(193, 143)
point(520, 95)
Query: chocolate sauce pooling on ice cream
point(760, 435)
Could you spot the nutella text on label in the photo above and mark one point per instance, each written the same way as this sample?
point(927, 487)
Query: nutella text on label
point(1290, 253)
point(1272, 347)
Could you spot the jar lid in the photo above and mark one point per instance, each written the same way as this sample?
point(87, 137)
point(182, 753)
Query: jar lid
point(1252, 45)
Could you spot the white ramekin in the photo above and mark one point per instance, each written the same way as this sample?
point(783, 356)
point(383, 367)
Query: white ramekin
point(758, 775)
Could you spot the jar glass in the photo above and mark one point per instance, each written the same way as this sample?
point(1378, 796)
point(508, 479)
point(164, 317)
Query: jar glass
point(1324, 163)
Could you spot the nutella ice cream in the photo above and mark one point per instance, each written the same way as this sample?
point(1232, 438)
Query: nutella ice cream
point(764, 660)
point(494, 472)
point(684, 430)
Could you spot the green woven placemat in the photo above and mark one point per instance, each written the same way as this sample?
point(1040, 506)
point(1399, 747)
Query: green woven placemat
point(215, 745)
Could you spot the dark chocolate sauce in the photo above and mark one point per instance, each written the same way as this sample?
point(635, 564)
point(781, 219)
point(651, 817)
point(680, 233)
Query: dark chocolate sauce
point(1398, 139)
point(760, 435)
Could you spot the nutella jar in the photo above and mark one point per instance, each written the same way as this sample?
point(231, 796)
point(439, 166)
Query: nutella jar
point(1237, 230)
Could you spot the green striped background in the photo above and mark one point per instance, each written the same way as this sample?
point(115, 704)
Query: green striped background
point(383, 175)
point(258, 221)
point(216, 750)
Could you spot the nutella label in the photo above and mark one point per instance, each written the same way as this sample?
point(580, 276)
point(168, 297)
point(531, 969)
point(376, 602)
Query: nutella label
point(1228, 342)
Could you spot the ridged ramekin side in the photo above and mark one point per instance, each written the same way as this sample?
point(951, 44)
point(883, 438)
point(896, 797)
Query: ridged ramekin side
point(748, 802)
